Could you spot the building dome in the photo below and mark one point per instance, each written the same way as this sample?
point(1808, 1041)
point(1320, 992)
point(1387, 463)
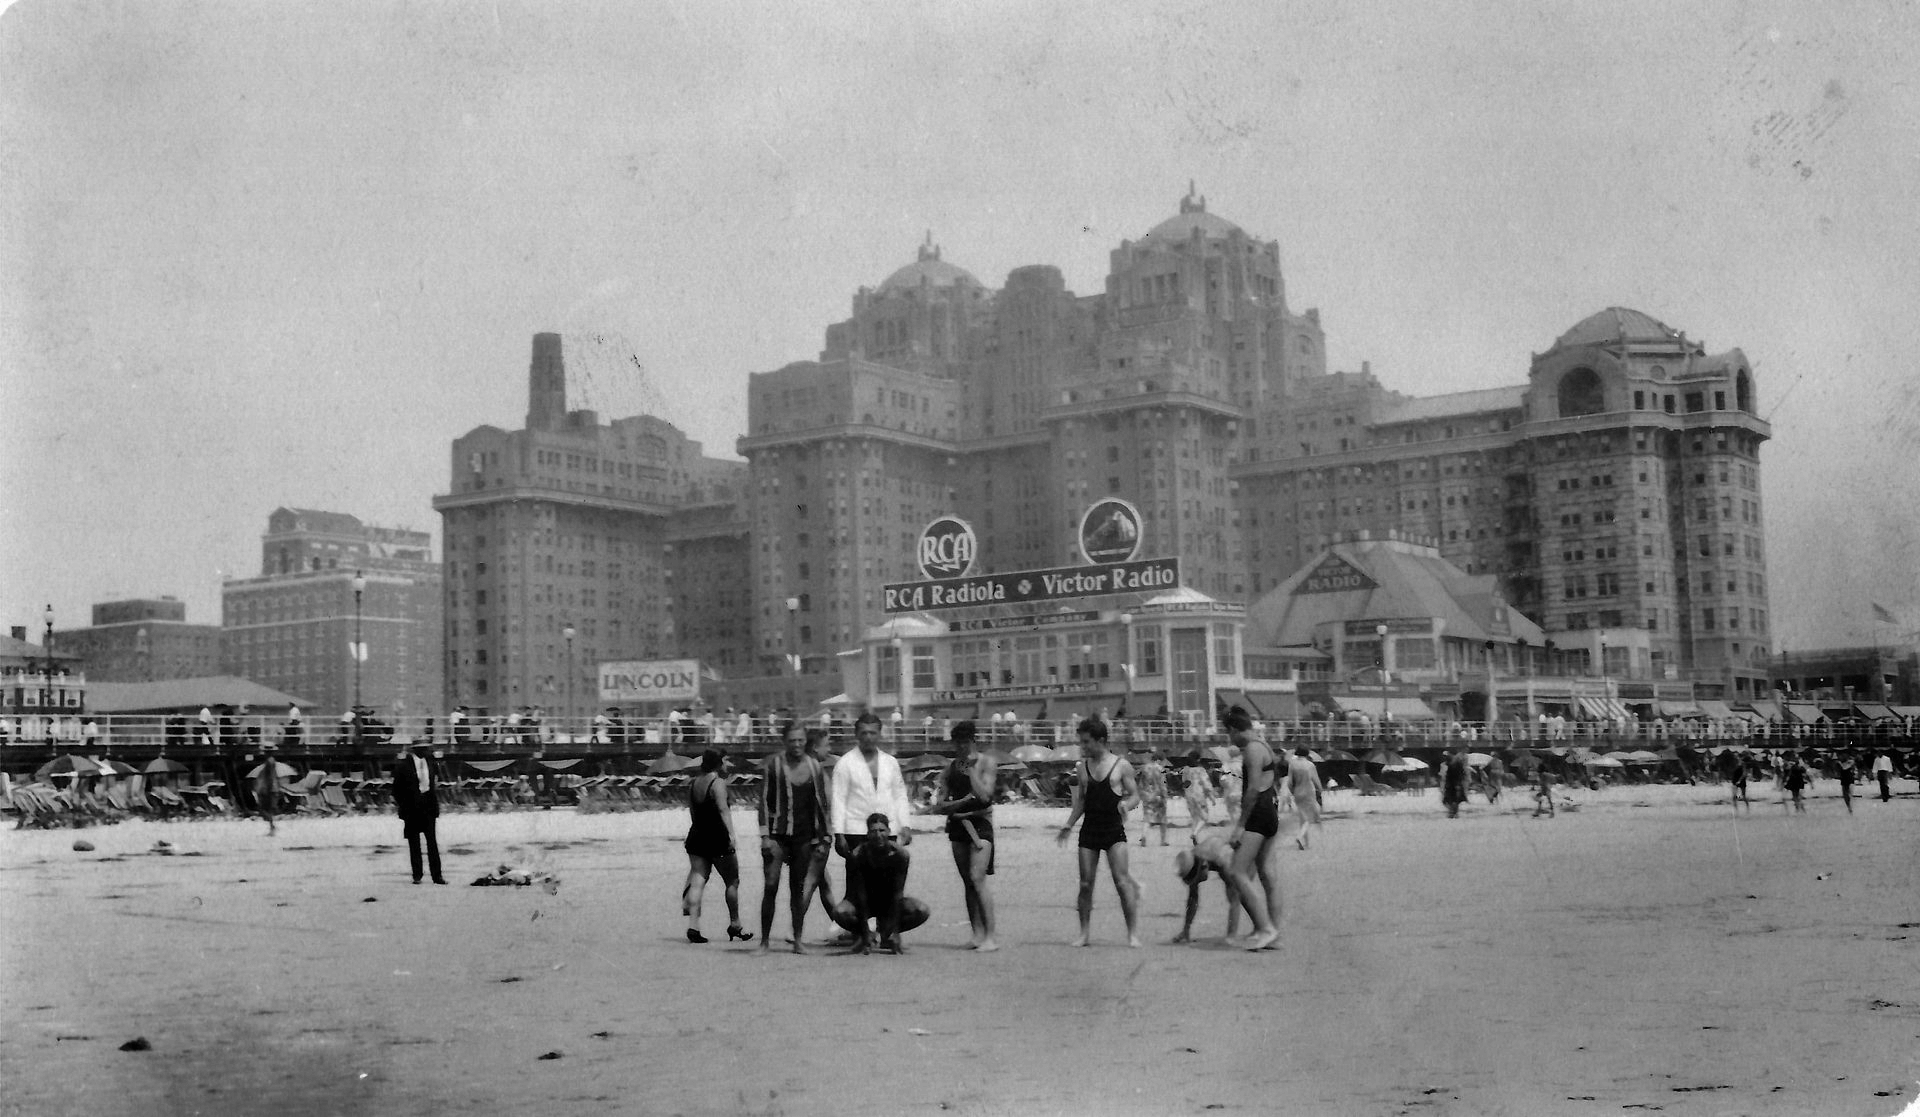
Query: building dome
point(931, 269)
point(1616, 324)
point(1193, 215)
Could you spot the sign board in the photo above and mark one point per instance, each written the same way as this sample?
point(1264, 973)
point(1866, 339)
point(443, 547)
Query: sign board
point(1035, 690)
point(1396, 626)
point(1189, 607)
point(1065, 583)
point(1110, 531)
point(1335, 575)
point(946, 548)
point(650, 680)
point(1034, 620)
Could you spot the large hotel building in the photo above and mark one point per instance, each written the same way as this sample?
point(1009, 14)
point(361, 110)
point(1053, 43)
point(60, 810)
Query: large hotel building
point(1613, 496)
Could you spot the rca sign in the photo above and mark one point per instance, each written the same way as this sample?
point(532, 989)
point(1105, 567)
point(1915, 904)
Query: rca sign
point(947, 548)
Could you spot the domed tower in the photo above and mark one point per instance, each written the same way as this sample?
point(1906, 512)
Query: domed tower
point(1640, 463)
point(919, 318)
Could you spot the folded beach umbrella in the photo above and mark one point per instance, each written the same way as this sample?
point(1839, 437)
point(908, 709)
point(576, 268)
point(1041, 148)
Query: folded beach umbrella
point(670, 763)
point(1028, 754)
point(282, 771)
point(164, 766)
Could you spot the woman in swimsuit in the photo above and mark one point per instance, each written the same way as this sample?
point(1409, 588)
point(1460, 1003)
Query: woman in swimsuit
point(710, 846)
point(1253, 833)
point(965, 796)
point(1104, 791)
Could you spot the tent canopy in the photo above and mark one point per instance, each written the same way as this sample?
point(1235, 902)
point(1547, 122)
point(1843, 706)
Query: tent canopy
point(187, 696)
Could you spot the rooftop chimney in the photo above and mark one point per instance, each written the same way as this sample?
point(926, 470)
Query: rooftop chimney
point(546, 384)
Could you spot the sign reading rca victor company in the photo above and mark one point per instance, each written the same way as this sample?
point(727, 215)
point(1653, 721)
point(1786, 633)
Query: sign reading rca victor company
point(947, 548)
point(1110, 531)
point(1058, 584)
point(650, 680)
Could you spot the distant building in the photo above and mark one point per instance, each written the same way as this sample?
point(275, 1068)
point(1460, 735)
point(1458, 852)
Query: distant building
point(1884, 674)
point(32, 682)
point(624, 532)
point(292, 627)
point(144, 640)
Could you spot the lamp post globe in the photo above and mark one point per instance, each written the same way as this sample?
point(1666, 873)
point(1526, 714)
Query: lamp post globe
point(568, 632)
point(46, 645)
point(1380, 630)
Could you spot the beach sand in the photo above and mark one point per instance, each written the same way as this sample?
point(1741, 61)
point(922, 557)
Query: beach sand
point(1649, 952)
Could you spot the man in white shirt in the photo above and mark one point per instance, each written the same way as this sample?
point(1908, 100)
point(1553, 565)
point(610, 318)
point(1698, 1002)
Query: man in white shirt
point(868, 781)
point(1883, 772)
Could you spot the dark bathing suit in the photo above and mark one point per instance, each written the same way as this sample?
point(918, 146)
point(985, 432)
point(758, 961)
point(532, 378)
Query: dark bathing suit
point(1101, 824)
point(708, 837)
point(1265, 819)
point(805, 800)
point(960, 786)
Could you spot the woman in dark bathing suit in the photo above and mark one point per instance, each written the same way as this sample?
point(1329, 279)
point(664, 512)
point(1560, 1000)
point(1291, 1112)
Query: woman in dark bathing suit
point(710, 846)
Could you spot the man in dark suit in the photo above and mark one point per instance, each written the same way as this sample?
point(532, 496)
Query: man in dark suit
point(416, 797)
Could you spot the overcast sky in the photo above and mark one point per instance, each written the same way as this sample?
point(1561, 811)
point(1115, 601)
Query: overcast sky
point(282, 254)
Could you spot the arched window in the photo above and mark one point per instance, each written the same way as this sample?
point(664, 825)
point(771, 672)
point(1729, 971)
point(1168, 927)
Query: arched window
point(1743, 392)
point(1581, 393)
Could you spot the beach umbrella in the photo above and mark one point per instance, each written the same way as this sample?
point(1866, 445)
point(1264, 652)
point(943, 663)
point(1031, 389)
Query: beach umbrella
point(164, 766)
point(1406, 764)
point(1339, 754)
point(1479, 759)
point(670, 763)
point(1028, 754)
point(1639, 756)
point(1382, 756)
point(926, 761)
point(117, 768)
point(64, 765)
point(283, 771)
point(1067, 753)
point(1603, 762)
point(999, 758)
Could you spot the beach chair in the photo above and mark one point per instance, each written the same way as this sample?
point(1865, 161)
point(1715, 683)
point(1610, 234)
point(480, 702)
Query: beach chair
point(1367, 786)
point(333, 799)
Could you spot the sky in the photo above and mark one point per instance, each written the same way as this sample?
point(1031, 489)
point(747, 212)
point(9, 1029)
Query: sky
point(255, 255)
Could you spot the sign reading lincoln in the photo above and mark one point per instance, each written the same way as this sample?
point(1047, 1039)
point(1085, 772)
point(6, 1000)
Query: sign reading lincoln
point(947, 548)
point(1110, 532)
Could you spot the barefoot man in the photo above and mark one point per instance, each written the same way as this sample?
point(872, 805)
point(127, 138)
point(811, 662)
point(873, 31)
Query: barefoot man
point(1253, 833)
point(1103, 792)
point(1210, 854)
point(794, 823)
point(965, 796)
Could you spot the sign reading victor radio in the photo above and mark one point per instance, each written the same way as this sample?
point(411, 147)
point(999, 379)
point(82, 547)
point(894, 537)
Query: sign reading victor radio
point(947, 548)
point(1061, 583)
point(650, 680)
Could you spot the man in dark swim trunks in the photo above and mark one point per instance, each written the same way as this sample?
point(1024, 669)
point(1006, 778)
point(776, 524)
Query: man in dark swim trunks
point(965, 796)
point(1104, 791)
point(794, 823)
point(1210, 854)
point(876, 889)
point(1253, 833)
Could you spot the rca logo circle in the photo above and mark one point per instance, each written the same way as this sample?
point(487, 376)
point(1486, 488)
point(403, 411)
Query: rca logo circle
point(947, 548)
point(1110, 531)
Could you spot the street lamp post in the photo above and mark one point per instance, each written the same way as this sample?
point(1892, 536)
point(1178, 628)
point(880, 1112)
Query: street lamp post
point(46, 680)
point(1126, 665)
point(568, 719)
point(1380, 630)
point(793, 635)
point(1493, 709)
point(359, 647)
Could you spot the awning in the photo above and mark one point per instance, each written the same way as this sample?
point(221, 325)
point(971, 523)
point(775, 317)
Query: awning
point(559, 765)
point(1605, 709)
point(1679, 709)
point(1767, 709)
point(490, 765)
point(1805, 713)
point(1232, 698)
point(1403, 708)
point(1410, 709)
point(1906, 711)
point(1874, 710)
point(1145, 703)
point(1714, 708)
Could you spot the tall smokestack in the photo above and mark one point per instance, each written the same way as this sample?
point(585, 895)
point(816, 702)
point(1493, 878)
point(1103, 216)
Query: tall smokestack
point(546, 384)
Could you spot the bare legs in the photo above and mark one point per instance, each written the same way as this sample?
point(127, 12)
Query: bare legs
point(802, 877)
point(1254, 857)
point(972, 864)
point(698, 869)
point(1123, 883)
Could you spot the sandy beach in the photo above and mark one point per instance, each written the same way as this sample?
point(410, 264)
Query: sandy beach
point(1651, 951)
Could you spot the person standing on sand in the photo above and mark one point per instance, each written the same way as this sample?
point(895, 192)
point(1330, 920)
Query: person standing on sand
point(1253, 834)
point(416, 798)
point(794, 824)
point(1103, 792)
point(820, 747)
point(1153, 797)
point(1543, 792)
point(965, 796)
point(266, 786)
point(710, 846)
point(1198, 790)
point(1453, 790)
point(868, 781)
point(1883, 772)
point(1845, 773)
point(1306, 791)
point(1793, 777)
point(1734, 767)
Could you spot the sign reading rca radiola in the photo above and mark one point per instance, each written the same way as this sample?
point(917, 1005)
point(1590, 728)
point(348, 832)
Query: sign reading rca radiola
point(1110, 532)
point(947, 548)
point(650, 680)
